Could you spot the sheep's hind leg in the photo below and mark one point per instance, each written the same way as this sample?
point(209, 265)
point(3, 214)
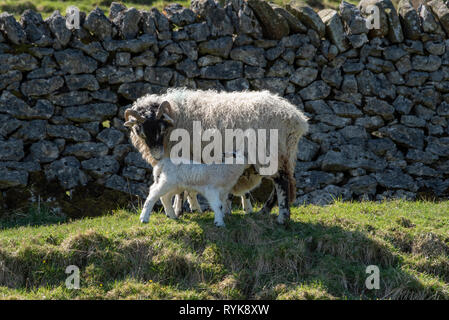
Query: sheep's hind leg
point(281, 184)
point(269, 204)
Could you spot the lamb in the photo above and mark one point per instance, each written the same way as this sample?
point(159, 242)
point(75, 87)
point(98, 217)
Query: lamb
point(247, 182)
point(213, 181)
point(160, 115)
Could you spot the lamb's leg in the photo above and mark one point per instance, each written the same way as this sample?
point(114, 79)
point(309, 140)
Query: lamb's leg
point(168, 208)
point(281, 184)
point(156, 191)
point(179, 204)
point(193, 202)
point(227, 204)
point(217, 207)
point(246, 203)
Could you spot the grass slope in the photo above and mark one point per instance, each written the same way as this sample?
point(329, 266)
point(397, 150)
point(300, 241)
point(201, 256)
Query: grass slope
point(323, 254)
point(46, 7)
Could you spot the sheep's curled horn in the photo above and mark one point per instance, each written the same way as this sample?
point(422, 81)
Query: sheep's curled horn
point(165, 107)
point(135, 114)
point(164, 110)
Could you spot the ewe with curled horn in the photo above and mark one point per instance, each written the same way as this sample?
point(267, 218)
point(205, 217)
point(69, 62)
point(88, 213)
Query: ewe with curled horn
point(223, 110)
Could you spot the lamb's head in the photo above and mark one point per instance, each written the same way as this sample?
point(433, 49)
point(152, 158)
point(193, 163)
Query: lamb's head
point(151, 127)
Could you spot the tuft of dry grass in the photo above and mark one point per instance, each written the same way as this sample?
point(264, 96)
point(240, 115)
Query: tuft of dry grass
point(404, 222)
point(429, 245)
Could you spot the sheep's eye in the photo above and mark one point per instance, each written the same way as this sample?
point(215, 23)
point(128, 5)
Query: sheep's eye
point(138, 130)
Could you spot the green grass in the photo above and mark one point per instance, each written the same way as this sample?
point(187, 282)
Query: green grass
point(46, 7)
point(323, 254)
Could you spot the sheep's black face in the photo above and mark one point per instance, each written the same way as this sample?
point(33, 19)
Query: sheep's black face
point(151, 126)
point(153, 132)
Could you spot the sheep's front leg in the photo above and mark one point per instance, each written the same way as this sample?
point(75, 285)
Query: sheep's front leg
point(156, 191)
point(246, 203)
point(281, 184)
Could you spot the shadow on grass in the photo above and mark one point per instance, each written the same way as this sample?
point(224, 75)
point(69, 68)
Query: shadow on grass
point(309, 260)
point(33, 216)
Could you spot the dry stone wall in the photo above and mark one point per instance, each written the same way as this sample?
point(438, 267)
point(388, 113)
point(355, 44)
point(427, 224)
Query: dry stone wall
point(377, 99)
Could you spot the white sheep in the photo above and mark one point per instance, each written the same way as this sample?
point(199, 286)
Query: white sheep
point(159, 115)
point(247, 182)
point(213, 181)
